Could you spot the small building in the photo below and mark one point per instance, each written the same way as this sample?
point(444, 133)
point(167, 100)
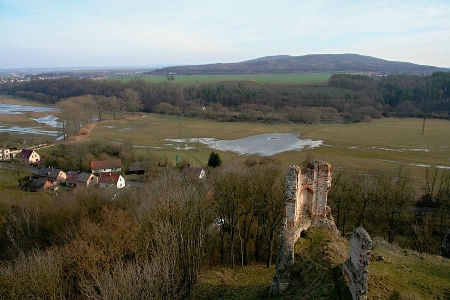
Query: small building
point(53, 175)
point(5, 154)
point(29, 156)
point(194, 172)
point(84, 179)
point(111, 179)
point(38, 184)
point(137, 168)
point(106, 166)
point(14, 153)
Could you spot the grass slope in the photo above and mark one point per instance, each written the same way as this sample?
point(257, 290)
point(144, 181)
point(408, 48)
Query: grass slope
point(406, 274)
point(401, 274)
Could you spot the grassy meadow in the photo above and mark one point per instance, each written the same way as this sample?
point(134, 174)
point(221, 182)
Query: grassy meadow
point(294, 78)
point(380, 144)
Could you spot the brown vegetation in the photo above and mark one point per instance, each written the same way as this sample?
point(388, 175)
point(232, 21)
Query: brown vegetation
point(153, 242)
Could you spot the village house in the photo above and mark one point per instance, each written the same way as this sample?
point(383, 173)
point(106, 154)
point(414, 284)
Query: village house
point(5, 154)
point(194, 172)
point(111, 179)
point(38, 184)
point(137, 168)
point(106, 166)
point(14, 152)
point(53, 175)
point(29, 156)
point(75, 179)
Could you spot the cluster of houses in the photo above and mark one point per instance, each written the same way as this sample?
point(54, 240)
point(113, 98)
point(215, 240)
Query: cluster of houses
point(104, 174)
point(27, 156)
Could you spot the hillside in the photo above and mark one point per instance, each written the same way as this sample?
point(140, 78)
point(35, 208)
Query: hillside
point(327, 63)
point(394, 273)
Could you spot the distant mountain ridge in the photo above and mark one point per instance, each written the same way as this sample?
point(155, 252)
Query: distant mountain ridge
point(327, 63)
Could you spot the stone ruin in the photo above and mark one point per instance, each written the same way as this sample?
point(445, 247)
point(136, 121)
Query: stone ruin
point(305, 206)
point(356, 268)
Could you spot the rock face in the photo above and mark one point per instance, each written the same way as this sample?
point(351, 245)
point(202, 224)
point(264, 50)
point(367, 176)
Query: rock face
point(445, 247)
point(356, 267)
point(305, 206)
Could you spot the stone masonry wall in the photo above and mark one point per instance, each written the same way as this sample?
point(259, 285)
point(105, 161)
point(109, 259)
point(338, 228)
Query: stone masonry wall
point(305, 206)
point(356, 267)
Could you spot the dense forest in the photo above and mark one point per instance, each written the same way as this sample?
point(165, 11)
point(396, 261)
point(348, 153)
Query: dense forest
point(344, 98)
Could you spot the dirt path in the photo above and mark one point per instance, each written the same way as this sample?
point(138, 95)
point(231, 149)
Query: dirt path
point(85, 132)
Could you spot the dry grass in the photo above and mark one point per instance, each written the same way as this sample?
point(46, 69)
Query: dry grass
point(36, 276)
point(249, 282)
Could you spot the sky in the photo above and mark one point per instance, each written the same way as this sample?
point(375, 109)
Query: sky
point(70, 33)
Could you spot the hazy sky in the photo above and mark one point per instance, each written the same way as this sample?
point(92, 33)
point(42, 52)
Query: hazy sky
point(49, 33)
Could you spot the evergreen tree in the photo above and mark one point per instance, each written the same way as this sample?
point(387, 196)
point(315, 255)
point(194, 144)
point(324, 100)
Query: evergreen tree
point(214, 160)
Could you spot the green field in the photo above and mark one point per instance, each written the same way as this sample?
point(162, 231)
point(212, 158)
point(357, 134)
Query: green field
point(295, 78)
point(380, 144)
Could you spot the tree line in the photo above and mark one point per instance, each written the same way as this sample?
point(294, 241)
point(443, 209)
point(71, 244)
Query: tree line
point(348, 98)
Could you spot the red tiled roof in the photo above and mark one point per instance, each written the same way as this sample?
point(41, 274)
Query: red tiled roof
point(110, 178)
point(105, 164)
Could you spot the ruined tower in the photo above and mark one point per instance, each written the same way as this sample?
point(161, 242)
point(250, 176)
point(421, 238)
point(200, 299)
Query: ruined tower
point(356, 268)
point(305, 205)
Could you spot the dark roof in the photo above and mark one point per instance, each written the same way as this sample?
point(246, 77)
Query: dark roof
point(192, 171)
point(84, 177)
point(26, 153)
point(110, 178)
point(106, 164)
point(37, 183)
point(138, 166)
point(72, 175)
point(48, 172)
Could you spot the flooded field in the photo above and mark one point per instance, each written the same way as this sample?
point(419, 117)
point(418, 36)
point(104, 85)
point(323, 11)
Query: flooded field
point(263, 144)
point(384, 144)
point(15, 109)
point(29, 119)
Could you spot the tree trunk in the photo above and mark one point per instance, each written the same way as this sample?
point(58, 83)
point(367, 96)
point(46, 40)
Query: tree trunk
point(244, 253)
point(222, 246)
point(232, 247)
point(257, 243)
point(269, 254)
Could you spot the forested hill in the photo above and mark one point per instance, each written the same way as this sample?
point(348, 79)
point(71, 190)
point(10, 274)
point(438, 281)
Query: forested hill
point(329, 63)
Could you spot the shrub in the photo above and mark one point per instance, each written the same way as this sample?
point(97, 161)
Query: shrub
point(36, 276)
